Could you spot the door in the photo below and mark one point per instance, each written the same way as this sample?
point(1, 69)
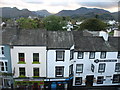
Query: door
point(89, 80)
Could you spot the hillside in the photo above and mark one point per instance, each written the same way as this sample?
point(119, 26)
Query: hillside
point(86, 13)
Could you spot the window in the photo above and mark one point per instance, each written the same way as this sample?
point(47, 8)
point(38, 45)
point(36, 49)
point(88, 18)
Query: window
point(80, 55)
point(116, 78)
point(36, 71)
point(1, 66)
point(71, 54)
point(22, 71)
point(100, 79)
point(117, 67)
point(59, 55)
point(118, 55)
point(78, 80)
point(59, 71)
point(2, 48)
point(6, 66)
point(71, 69)
point(21, 57)
point(35, 57)
point(79, 68)
point(103, 55)
point(92, 55)
point(101, 68)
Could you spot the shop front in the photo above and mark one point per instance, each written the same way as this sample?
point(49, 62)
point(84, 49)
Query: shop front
point(26, 84)
point(57, 84)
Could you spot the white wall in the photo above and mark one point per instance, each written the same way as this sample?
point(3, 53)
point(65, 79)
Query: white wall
point(29, 59)
point(109, 69)
point(52, 63)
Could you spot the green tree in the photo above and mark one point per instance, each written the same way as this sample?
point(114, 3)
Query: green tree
point(93, 24)
point(27, 23)
point(54, 23)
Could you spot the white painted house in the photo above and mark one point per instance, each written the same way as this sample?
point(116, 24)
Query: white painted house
point(28, 55)
point(96, 61)
point(60, 43)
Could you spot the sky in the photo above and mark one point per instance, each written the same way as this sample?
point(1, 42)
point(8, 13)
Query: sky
point(55, 6)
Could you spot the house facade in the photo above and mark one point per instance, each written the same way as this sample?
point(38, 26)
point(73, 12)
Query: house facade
point(6, 79)
point(28, 55)
point(97, 61)
point(58, 59)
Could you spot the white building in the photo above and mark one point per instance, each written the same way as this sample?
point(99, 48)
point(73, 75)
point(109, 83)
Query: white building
point(60, 43)
point(28, 55)
point(96, 61)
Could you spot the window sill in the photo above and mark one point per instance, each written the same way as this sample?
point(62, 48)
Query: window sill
point(36, 76)
point(35, 62)
point(21, 62)
point(22, 76)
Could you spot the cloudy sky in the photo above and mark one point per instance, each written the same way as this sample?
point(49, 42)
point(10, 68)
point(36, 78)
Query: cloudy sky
point(55, 6)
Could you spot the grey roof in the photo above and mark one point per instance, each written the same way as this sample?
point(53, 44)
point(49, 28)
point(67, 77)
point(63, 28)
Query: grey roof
point(94, 43)
point(24, 37)
point(8, 35)
point(31, 37)
point(59, 39)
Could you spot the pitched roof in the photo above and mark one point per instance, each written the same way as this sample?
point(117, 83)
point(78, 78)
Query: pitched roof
point(24, 37)
point(94, 43)
point(59, 39)
point(31, 37)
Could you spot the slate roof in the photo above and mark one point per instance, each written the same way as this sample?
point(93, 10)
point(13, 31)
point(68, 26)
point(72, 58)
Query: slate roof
point(59, 39)
point(95, 43)
point(31, 37)
point(24, 37)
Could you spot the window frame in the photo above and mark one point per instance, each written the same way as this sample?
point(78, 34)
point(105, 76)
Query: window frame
point(117, 67)
point(2, 67)
point(90, 53)
point(63, 52)
point(56, 71)
point(20, 72)
point(82, 55)
point(104, 55)
point(100, 80)
point(101, 71)
point(19, 58)
point(71, 69)
point(77, 68)
point(118, 81)
point(71, 54)
point(34, 72)
point(35, 57)
point(80, 81)
point(118, 55)
point(2, 49)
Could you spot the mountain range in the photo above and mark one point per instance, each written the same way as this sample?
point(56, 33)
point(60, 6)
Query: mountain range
point(82, 12)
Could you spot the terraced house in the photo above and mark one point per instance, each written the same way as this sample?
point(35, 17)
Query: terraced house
point(63, 59)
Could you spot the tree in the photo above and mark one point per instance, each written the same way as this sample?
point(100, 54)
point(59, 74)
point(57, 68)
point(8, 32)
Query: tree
point(54, 23)
point(93, 24)
point(27, 23)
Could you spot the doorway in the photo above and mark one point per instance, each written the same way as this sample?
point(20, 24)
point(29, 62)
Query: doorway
point(89, 80)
